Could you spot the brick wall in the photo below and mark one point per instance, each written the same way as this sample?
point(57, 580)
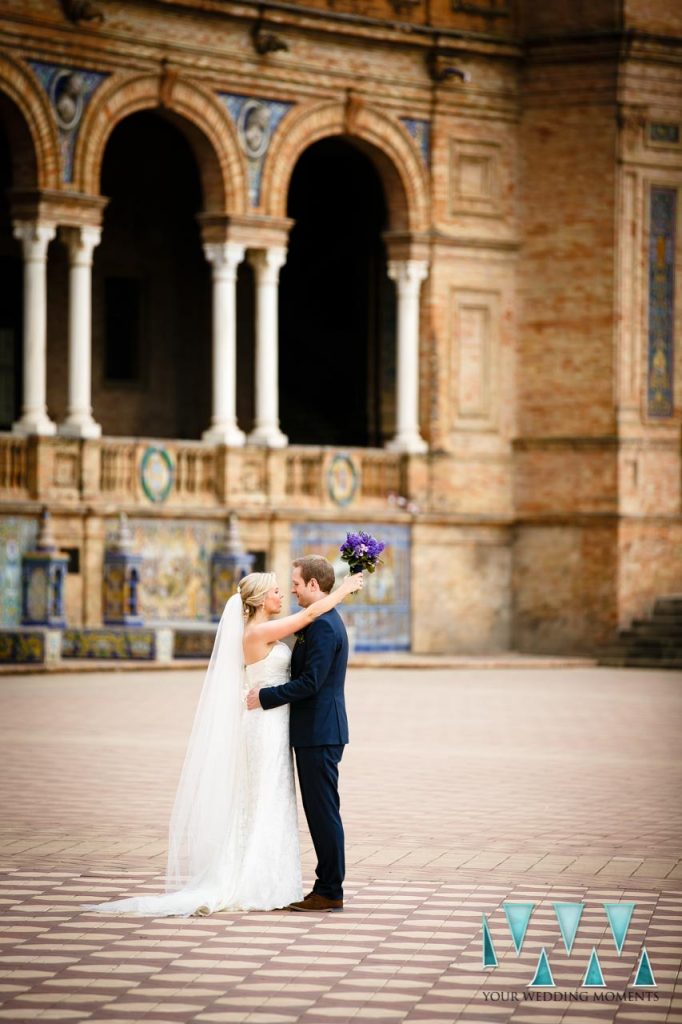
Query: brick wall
point(550, 505)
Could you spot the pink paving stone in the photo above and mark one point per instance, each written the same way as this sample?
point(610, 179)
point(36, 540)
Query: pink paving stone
point(460, 789)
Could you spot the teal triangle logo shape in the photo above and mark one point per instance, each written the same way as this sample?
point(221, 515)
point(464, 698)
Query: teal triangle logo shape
point(518, 916)
point(568, 915)
point(543, 973)
point(619, 915)
point(593, 975)
point(644, 978)
point(489, 956)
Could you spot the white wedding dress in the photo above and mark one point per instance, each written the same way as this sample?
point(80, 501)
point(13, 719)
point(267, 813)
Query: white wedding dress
point(234, 833)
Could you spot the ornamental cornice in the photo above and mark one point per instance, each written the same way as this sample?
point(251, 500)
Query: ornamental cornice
point(621, 45)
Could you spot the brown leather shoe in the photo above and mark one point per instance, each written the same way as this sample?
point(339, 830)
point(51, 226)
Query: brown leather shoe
point(314, 903)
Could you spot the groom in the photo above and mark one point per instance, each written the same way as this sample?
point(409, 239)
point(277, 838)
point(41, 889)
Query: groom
point(318, 727)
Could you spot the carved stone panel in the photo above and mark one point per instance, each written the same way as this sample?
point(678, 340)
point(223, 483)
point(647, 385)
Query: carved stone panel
point(475, 173)
point(475, 356)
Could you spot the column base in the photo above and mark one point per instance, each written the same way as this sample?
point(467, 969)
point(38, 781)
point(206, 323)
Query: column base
point(268, 437)
point(411, 444)
point(223, 434)
point(34, 424)
point(81, 427)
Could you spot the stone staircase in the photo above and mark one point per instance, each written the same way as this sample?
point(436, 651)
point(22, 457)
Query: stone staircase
point(655, 642)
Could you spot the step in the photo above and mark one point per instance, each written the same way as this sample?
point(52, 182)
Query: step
point(628, 661)
point(670, 604)
point(651, 651)
point(669, 618)
point(658, 622)
point(642, 646)
point(635, 636)
point(672, 664)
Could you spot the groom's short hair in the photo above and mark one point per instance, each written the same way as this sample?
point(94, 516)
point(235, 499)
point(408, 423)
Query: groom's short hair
point(319, 568)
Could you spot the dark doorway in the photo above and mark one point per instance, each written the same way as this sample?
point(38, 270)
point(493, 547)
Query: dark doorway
point(11, 290)
point(152, 287)
point(336, 302)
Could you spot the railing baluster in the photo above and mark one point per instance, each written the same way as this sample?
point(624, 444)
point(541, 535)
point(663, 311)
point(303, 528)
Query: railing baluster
point(13, 466)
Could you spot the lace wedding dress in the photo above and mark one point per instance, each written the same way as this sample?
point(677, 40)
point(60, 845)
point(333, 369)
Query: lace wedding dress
point(271, 874)
point(234, 833)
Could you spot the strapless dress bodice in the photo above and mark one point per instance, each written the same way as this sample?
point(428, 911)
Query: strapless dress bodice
point(273, 669)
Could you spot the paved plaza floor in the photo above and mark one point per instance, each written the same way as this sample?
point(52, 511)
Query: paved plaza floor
point(461, 790)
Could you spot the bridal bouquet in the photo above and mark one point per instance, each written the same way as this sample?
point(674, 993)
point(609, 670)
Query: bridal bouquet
point(361, 551)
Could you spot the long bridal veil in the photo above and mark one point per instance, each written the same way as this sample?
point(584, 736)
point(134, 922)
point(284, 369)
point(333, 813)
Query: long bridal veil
point(206, 827)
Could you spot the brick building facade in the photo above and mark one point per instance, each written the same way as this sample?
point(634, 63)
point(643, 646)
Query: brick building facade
point(408, 264)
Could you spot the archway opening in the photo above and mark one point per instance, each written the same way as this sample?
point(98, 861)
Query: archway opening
point(337, 319)
point(151, 286)
point(18, 170)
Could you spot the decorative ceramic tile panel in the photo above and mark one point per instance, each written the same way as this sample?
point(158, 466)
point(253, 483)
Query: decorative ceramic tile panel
point(421, 133)
point(22, 647)
point(663, 208)
point(17, 534)
point(256, 120)
point(109, 644)
point(380, 615)
point(70, 90)
point(175, 572)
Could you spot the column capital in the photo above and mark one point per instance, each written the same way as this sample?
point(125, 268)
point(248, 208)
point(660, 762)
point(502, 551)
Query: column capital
point(57, 207)
point(267, 263)
point(254, 231)
point(81, 243)
point(35, 236)
point(408, 273)
point(406, 245)
point(224, 258)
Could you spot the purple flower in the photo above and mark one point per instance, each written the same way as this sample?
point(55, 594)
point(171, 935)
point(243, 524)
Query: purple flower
point(361, 551)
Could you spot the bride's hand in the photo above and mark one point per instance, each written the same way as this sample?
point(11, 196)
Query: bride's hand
point(252, 699)
point(353, 583)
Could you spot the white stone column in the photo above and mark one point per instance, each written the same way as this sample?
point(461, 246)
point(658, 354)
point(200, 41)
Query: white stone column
point(408, 276)
point(81, 242)
point(266, 264)
point(224, 258)
point(35, 238)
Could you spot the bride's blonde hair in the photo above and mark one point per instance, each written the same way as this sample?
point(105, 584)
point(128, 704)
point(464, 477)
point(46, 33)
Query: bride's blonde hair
point(253, 588)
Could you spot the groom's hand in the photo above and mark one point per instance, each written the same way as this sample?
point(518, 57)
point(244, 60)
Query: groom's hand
point(252, 699)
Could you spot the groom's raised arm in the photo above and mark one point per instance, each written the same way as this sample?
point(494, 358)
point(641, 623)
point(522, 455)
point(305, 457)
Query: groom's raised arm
point(320, 641)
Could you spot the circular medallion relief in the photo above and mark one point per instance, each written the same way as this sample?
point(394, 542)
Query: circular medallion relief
point(253, 128)
point(342, 479)
point(67, 91)
point(156, 474)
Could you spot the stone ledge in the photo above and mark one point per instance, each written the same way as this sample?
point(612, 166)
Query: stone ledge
point(384, 660)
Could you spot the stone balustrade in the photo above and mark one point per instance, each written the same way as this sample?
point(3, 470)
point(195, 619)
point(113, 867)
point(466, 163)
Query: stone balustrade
point(138, 473)
point(13, 467)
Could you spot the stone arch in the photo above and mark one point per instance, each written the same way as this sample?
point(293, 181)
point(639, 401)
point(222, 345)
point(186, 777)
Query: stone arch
point(31, 126)
point(387, 144)
point(196, 112)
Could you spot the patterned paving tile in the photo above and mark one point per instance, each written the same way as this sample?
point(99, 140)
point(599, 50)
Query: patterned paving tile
point(461, 814)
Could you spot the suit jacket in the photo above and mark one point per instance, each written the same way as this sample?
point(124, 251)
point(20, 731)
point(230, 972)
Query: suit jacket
point(315, 691)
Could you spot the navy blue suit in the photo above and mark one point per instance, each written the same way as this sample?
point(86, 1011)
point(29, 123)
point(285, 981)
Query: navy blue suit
point(318, 730)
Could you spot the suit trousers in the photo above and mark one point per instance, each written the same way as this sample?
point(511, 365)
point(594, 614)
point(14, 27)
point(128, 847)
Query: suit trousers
point(318, 778)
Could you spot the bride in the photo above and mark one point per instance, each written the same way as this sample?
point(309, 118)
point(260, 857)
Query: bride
point(233, 838)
